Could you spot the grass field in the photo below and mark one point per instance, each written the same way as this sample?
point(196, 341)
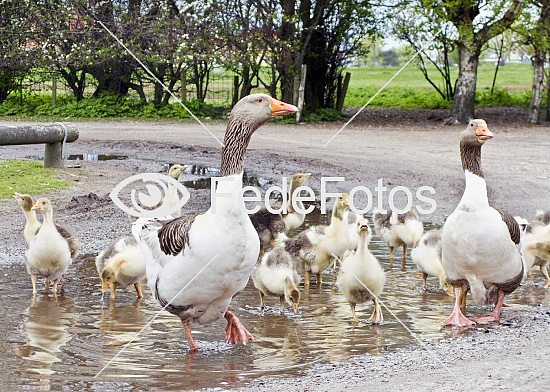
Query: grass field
point(27, 177)
point(410, 90)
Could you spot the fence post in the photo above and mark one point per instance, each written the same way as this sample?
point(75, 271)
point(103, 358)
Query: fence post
point(54, 88)
point(183, 92)
point(235, 90)
point(296, 89)
point(343, 92)
point(301, 91)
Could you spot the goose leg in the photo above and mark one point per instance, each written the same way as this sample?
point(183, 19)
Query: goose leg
point(424, 277)
point(235, 332)
point(457, 318)
point(113, 288)
point(404, 258)
point(319, 280)
point(282, 298)
point(306, 279)
point(377, 317)
point(544, 270)
point(494, 317)
point(137, 286)
point(192, 346)
point(262, 303)
point(33, 280)
point(390, 248)
point(47, 284)
point(352, 306)
point(55, 282)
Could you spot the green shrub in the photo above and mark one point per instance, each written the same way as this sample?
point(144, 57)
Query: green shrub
point(102, 107)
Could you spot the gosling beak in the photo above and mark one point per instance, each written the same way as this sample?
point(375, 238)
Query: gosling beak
point(104, 286)
point(295, 308)
point(483, 132)
point(307, 174)
point(364, 228)
point(184, 168)
point(17, 195)
point(36, 207)
point(279, 108)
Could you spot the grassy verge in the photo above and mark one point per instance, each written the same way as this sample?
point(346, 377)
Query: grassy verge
point(27, 177)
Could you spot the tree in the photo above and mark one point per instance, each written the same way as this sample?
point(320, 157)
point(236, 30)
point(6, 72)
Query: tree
point(534, 28)
point(476, 23)
point(416, 31)
point(17, 51)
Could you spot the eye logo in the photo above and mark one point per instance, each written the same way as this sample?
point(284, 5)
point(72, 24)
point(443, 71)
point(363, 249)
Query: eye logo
point(161, 199)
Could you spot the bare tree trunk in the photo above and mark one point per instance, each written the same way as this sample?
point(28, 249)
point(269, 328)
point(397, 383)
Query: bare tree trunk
point(548, 98)
point(533, 117)
point(463, 109)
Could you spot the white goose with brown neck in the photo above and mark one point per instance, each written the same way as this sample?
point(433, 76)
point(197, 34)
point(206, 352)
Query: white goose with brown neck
point(222, 238)
point(479, 243)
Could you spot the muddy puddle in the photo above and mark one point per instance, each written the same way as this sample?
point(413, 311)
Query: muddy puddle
point(62, 343)
point(198, 177)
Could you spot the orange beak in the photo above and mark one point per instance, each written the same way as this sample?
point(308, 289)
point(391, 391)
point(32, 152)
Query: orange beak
point(36, 207)
point(295, 308)
point(279, 108)
point(483, 132)
point(104, 286)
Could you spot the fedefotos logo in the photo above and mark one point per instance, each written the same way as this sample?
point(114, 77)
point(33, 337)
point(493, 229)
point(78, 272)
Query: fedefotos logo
point(164, 195)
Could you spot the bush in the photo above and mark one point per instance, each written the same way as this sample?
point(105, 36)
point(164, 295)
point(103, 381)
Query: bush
point(106, 106)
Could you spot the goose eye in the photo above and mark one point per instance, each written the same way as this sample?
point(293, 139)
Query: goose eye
point(260, 100)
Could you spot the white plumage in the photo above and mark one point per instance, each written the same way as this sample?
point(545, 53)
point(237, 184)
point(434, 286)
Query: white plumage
point(121, 265)
point(362, 265)
point(197, 263)
point(427, 257)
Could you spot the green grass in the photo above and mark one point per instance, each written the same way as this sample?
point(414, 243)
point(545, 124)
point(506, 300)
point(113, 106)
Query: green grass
point(28, 177)
point(410, 90)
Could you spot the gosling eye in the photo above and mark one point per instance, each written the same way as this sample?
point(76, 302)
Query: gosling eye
point(260, 100)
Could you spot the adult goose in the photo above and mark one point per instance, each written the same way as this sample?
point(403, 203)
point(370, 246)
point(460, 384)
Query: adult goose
point(479, 243)
point(197, 263)
point(269, 226)
point(398, 230)
point(49, 254)
point(32, 224)
point(318, 246)
point(121, 265)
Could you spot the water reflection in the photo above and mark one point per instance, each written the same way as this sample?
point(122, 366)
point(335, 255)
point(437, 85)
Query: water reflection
point(46, 327)
point(61, 343)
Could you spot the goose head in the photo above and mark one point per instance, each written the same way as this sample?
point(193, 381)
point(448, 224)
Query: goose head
point(342, 202)
point(448, 287)
point(299, 179)
point(250, 113)
point(292, 295)
point(44, 206)
point(363, 229)
point(476, 133)
point(176, 171)
point(24, 201)
point(108, 276)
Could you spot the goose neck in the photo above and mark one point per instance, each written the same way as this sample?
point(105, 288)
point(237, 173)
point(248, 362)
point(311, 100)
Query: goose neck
point(31, 217)
point(237, 137)
point(475, 191)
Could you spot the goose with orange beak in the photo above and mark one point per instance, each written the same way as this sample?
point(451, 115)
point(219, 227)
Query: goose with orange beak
point(479, 243)
point(197, 263)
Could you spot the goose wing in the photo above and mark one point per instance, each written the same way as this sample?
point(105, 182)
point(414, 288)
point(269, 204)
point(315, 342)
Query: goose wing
point(173, 236)
point(513, 226)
